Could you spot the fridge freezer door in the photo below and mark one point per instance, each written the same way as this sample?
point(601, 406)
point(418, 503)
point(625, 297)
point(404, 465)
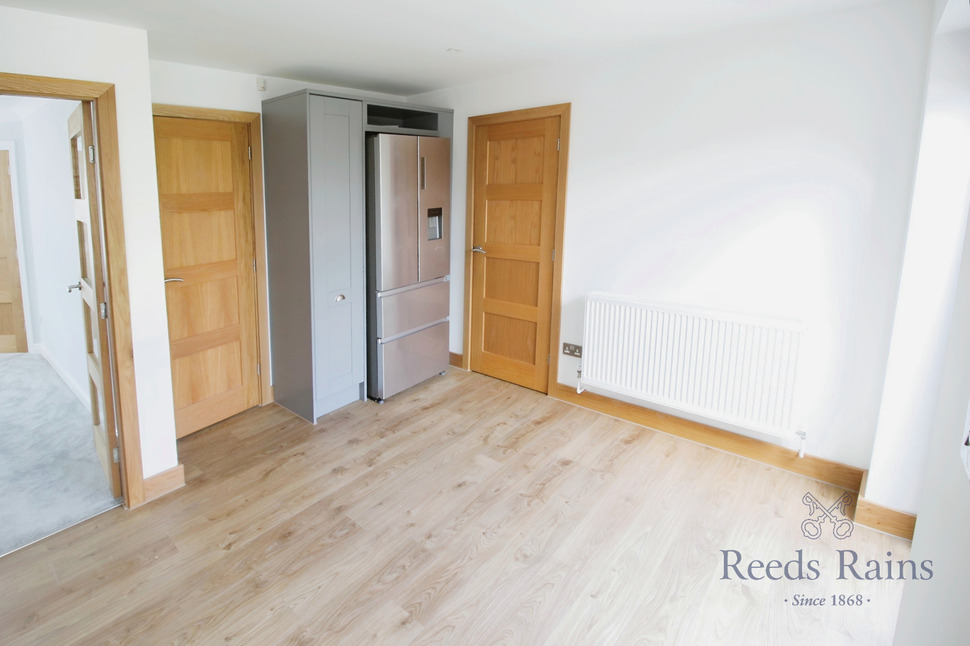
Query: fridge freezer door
point(392, 210)
point(409, 360)
point(434, 206)
point(403, 310)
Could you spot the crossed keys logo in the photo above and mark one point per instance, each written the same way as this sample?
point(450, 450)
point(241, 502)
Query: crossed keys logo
point(818, 514)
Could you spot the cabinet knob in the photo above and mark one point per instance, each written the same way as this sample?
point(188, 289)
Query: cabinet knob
point(340, 298)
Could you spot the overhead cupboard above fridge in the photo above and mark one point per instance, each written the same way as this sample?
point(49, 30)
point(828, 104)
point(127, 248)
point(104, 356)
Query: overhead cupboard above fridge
point(408, 203)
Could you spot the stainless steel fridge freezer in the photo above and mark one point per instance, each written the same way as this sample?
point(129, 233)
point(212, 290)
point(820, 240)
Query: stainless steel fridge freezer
point(408, 226)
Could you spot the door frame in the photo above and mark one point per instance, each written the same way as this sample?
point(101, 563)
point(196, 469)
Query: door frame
point(252, 119)
point(13, 151)
point(561, 110)
point(102, 96)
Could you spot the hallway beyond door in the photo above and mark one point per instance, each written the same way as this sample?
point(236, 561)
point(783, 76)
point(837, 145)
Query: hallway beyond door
point(50, 476)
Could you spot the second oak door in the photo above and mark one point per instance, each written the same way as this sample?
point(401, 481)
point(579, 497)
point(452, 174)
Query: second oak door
point(205, 195)
point(516, 170)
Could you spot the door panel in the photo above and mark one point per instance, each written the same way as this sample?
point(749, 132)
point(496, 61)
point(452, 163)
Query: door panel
point(87, 215)
point(13, 330)
point(396, 162)
point(434, 207)
point(205, 200)
point(516, 168)
point(337, 229)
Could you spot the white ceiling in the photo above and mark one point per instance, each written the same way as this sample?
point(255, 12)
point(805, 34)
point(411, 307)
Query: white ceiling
point(15, 109)
point(401, 47)
point(956, 16)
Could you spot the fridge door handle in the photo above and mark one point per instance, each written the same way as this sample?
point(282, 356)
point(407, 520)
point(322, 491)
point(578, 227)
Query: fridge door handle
point(424, 174)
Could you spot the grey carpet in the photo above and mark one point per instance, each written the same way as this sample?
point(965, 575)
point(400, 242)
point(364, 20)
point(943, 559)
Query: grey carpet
point(50, 475)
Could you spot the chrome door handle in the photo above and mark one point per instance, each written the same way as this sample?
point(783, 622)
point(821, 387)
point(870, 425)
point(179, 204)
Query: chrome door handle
point(478, 250)
point(71, 288)
point(174, 280)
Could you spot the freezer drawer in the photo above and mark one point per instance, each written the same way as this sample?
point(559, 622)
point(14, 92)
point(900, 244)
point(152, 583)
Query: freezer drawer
point(408, 360)
point(401, 311)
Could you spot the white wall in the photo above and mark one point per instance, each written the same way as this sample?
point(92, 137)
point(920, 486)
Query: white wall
point(203, 87)
point(47, 45)
point(765, 170)
point(934, 612)
point(930, 270)
point(51, 254)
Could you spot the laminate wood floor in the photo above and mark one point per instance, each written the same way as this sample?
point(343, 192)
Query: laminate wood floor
point(462, 511)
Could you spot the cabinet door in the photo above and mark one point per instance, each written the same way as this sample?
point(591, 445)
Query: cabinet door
point(337, 247)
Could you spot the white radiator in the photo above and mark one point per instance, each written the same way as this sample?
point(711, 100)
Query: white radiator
point(721, 367)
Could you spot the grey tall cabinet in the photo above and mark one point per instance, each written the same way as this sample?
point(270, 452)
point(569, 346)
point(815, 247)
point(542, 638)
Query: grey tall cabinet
point(314, 166)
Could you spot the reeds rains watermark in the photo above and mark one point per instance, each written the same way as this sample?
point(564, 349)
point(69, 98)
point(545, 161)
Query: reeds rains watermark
point(818, 514)
point(851, 566)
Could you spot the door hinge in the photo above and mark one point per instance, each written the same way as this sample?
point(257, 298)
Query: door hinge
point(250, 153)
point(104, 310)
point(91, 154)
point(257, 370)
point(548, 359)
point(254, 264)
point(557, 143)
point(554, 255)
point(114, 455)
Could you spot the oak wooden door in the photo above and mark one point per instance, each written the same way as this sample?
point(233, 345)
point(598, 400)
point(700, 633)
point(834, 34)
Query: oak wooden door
point(13, 330)
point(94, 299)
point(205, 196)
point(516, 170)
